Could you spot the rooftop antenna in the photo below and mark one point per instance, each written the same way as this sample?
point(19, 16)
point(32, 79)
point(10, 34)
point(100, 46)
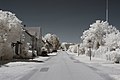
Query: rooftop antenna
point(107, 14)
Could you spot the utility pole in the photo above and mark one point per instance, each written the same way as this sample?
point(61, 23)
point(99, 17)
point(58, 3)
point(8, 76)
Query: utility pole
point(40, 40)
point(89, 48)
point(78, 49)
point(107, 11)
point(90, 53)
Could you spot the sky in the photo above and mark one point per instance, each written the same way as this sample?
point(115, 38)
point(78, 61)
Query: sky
point(65, 18)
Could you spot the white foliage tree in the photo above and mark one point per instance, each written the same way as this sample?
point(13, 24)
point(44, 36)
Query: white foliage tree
point(104, 40)
point(53, 40)
point(96, 33)
point(10, 29)
point(73, 48)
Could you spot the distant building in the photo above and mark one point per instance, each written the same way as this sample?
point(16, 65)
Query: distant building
point(29, 44)
point(36, 32)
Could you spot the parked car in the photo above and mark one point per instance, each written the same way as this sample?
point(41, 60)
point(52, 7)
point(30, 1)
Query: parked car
point(44, 51)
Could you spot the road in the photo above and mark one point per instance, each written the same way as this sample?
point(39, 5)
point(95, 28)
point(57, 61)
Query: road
point(63, 67)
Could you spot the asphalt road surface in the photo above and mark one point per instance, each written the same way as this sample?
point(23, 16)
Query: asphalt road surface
point(63, 67)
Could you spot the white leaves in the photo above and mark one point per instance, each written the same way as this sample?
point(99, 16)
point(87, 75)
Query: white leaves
point(97, 32)
point(53, 40)
point(10, 29)
point(105, 40)
point(10, 25)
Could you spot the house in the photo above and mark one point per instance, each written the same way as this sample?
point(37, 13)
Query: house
point(29, 45)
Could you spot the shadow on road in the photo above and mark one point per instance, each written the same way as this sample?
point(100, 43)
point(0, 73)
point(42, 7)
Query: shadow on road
point(3, 63)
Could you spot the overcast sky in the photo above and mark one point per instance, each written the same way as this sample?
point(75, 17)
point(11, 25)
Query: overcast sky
point(65, 18)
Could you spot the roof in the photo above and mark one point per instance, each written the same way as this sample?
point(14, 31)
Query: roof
point(33, 31)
